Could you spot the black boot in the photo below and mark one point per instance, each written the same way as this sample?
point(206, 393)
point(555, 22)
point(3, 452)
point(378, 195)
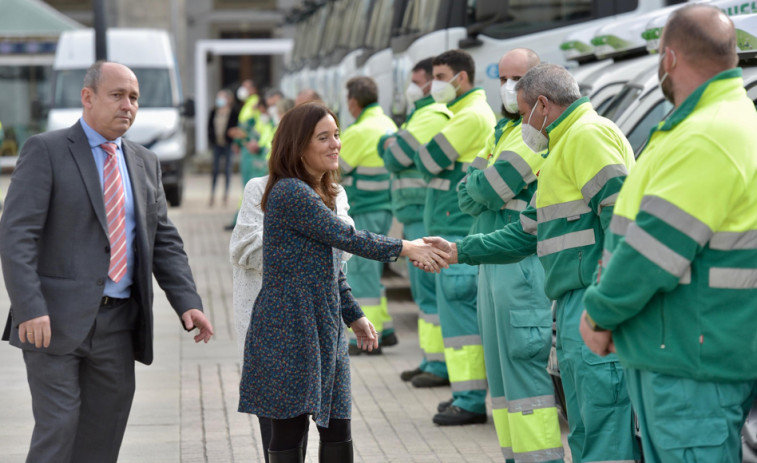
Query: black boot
point(335, 452)
point(286, 456)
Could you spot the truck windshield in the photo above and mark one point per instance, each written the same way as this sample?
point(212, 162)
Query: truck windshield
point(520, 17)
point(154, 88)
point(420, 17)
point(380, 27)
point(359, 24)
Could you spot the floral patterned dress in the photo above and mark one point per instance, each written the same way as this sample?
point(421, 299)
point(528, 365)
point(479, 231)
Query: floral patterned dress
point(295, 356)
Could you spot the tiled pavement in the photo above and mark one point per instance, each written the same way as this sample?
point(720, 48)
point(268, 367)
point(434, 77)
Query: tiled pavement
point(185, 405)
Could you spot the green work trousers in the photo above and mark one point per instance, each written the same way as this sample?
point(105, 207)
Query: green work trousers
point(688, 421)
point(456, 289)
point(515, 320)
point(423, 288)
point(599, 410)
point(364, 275)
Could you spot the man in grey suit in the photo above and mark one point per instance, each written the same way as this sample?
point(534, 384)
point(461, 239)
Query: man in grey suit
point(83, 232)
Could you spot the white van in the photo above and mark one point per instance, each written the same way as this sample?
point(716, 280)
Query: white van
point(159, 124)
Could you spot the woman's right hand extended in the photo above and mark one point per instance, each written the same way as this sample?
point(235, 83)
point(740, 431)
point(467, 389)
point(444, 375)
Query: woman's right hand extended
point(430, 257)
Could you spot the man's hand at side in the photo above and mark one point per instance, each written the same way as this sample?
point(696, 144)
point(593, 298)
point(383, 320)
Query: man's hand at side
point(37, 331)
point(194, 318)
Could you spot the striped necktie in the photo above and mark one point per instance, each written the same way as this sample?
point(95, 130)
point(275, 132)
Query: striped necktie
point(113, 194)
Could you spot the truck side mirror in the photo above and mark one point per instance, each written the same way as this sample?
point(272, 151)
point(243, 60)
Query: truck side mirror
point(188, 108)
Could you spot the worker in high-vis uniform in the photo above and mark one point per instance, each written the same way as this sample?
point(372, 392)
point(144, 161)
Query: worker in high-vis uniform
point(367, 182)
point(514, 314)
point(246, 136)
point(685, 229)
point(425, 120)
point(444, 161)
point(565, 223)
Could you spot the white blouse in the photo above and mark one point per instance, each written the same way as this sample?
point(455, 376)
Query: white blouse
point(246, 252)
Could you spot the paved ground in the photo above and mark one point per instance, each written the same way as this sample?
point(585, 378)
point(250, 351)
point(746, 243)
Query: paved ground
point(185, 405)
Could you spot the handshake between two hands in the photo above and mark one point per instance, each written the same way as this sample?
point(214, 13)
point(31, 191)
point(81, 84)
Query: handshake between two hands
point(431, 253)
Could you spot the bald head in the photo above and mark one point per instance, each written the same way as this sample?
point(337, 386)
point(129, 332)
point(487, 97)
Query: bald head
point(702, 35)
point(516, 63)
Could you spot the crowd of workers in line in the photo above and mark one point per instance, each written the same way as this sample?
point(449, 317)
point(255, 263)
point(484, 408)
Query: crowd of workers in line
point(546, 212)
point(648, 265)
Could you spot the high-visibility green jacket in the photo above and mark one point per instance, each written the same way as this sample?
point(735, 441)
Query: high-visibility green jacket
point(444, 160)
point(364, 177)
point(587, 161)
point(408, 185)
point(267, 130)
point(678, 285)
point(249, 109)
point(501, 180)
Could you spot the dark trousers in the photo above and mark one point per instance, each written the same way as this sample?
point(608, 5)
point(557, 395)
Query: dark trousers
point(81, 401)
point(221, 152)
point(292, 432)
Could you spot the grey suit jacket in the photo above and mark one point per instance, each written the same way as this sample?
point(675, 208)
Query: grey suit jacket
point(54, 241)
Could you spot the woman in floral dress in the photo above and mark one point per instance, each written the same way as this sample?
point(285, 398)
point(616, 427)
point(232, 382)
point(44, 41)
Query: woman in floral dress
point(295, 361)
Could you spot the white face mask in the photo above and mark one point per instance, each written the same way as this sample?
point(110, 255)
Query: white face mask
point(444, 92)
point(242, 94)
point(509, 96)
point(532, 137)
point(413, 93)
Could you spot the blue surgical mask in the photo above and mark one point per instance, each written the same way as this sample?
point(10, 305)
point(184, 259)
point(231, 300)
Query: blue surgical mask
point(220, 102)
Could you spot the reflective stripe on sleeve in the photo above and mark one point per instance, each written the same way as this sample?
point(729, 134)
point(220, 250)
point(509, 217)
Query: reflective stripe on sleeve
point(446, 147)
point(428, 161)
point(345, 166)
point(676, 218)
point(498, 184)
point(727, 241)
point(399, 155)
point(408, 138)
point(517, 205)
point(528, 224)
point(684, 280)
point(608, 201)
point(520, 164)
point(619, 224)
point(606, 256)
point(566, 241)
point(348, 181)
point(479, 163)
point(608, 172)
point(654, 250)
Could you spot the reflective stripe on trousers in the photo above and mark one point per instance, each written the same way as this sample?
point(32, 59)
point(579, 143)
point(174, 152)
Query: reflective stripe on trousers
point(456, 289)
point(515, 320)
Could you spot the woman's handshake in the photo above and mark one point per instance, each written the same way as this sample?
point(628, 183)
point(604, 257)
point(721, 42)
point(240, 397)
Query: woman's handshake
point(430, 254)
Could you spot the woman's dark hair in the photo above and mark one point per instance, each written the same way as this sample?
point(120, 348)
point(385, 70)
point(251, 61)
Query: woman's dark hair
point(292, 138)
